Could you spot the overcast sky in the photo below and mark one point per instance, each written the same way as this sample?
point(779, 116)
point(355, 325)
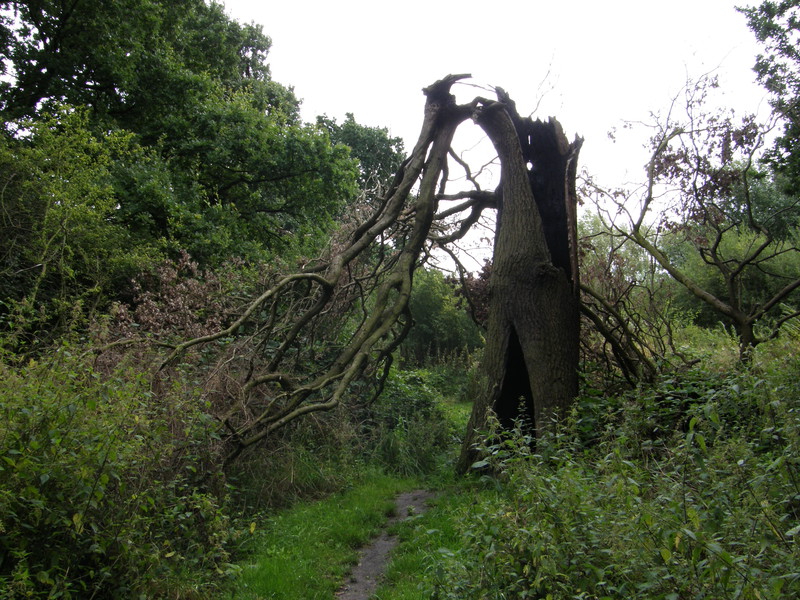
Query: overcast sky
point(592, 64)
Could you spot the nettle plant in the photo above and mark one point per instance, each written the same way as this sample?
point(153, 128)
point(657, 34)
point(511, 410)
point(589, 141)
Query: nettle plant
point(682, 497)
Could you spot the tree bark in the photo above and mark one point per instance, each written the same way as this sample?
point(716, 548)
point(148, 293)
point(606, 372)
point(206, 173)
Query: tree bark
point(532, 351)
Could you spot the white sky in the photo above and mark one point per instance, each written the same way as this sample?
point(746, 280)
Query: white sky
point(593, 63)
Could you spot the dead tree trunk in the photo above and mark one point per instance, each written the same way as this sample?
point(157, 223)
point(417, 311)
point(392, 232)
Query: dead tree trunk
point(532, 350)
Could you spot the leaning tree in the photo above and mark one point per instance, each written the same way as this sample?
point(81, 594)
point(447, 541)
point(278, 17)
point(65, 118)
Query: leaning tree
point(315, 335)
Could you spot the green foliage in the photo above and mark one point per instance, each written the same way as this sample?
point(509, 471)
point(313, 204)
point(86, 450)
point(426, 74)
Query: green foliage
point(249, 180)
point(690, 492)
point(764, 201)
point(225, 166)
point(309, 459)
point(728, 232)
point(716, 347)
point(408, 424)
point(775, 24)
point(379, 155)
point(442, 327)
point(101, 494)
point(458, 377)
point(138, 130)
point(134, 60)
point(629, 313)
point(63, 249)
point(764, 265)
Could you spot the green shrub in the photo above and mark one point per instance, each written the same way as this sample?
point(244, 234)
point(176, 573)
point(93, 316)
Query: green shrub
point(407, 425)
point(456, 376)
point(100, 493)
point(692, 495)
point(65, 254)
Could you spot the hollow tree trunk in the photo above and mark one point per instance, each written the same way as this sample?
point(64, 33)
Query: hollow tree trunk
point(531, 354)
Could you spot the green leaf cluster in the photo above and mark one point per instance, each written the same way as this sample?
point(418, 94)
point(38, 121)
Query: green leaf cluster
point(776, 24)
point(101, 492)
point(758, 282)
point(691, 493)
point(407, 425)
point(64, 248)
point(442, 327)
point(379, 154)
point(134, 130)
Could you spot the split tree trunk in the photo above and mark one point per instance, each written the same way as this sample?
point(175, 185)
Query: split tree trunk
point(531, 355)
point(531, 358)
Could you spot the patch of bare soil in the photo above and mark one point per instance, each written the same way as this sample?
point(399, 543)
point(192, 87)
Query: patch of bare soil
point(366, 575)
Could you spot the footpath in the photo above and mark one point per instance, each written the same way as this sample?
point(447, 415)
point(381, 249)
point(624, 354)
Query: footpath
point(366, 575)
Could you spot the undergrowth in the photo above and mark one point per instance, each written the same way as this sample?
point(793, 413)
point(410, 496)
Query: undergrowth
point(106, 490)
point(113, 486)
point(688, 488)
point(685, 488)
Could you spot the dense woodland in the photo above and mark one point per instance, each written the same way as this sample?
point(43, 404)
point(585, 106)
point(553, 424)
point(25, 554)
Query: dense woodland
point(213, 312)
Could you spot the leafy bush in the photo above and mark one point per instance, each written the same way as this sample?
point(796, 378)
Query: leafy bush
point(64, 253)
point(694, 495)
point(101, 491)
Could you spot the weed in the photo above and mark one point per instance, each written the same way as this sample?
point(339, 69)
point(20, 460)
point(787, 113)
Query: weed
point(687, 489)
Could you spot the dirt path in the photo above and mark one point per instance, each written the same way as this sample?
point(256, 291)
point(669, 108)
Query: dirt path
point(366, 575)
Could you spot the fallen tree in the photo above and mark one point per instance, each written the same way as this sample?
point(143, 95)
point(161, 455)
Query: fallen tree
point(283, 358)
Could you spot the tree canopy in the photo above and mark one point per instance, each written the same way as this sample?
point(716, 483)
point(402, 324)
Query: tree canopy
point(379, 155)
point(230, 170)
point(776, 24)
point(191, 144)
